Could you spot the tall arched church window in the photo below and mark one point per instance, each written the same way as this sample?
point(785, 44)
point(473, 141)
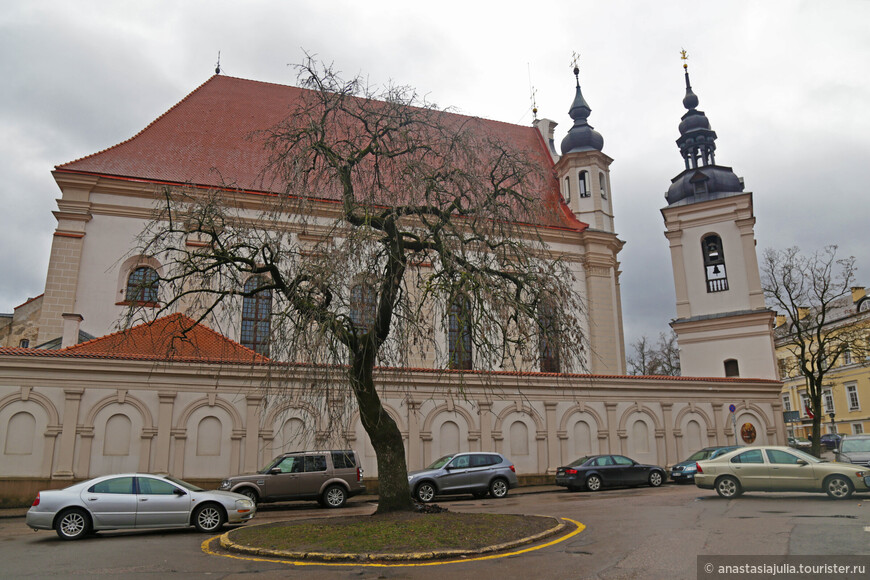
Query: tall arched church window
point(142, 286)
point(363, 305)
point(459, 334)
point(732, 369)
point(583, 184)
point(548, 338)
point(714, 263)
point(567, 188)
point(602, 184)
point(257, 315)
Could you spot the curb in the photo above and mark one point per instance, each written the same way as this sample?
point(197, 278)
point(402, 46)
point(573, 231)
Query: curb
point(227, 544)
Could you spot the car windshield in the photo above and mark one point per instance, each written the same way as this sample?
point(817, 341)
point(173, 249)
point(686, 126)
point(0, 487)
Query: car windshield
point(579, 462)
point(699, 455)
point(184, 484)
point(806, 456)
point(271, 464)
point(855, 446)
point(440, 462)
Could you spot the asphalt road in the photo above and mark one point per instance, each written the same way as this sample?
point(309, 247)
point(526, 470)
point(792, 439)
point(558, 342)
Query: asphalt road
point(630, 533)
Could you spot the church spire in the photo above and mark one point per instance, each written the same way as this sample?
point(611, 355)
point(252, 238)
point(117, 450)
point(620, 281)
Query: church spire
point(581, 136)
point(697, 144)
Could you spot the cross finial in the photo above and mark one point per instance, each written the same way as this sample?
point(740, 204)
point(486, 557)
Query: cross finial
point(684, 56)
point(575, 56)
point(533, 92)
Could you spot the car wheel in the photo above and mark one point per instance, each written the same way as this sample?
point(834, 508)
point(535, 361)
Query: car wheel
point(838, 487)
point(498, 488)
point(593, 483)
point(728, 487)
point(73, 524)
point(250, 493)
point(478, 494)
point(208, 518)
point(334, 496)
point(425, 492)
point(655, 479)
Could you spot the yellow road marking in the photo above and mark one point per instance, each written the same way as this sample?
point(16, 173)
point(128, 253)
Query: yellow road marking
point(206, 547)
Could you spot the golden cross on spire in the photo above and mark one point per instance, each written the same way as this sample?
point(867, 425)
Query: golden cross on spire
point(684, 57)
point(575, 56)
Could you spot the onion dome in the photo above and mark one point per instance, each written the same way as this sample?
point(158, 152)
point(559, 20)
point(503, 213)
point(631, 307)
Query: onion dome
point(581, 136)
point(702, 177)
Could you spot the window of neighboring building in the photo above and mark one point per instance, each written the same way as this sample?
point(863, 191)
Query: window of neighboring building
point(714, 263)
point(852, 397)
point(548, 343)
point(783, 367)
point(363, 305)
point(256, 315)
point(142, 286)
point(602, 184)
point(805, 403)
point(582, 184)
point(24, 343)
point(786, 402)
point(857, 428)
point(732, 369)
point(847, 357)
point(459, 334)
point(828, 400)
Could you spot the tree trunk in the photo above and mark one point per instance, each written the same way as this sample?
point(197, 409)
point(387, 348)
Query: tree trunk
point(394, 493)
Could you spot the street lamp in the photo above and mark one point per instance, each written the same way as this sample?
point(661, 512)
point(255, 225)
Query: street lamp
point(833, 427)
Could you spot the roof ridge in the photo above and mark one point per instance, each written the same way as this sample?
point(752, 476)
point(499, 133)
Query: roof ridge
point(148, 126)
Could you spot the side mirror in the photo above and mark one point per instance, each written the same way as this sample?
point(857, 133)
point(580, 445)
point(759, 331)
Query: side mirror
point(179, 492)
point(801, 462)
point(275, 471)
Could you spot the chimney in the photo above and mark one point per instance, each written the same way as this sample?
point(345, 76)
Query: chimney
point(858, 292)
point(547, 128)
point(71, 324)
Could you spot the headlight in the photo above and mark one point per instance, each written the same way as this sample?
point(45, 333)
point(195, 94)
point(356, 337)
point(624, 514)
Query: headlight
point(225, 484)
point(244, 504)
point(410, 478)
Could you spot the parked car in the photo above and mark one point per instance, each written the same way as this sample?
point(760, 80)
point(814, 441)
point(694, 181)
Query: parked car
point(854, 449)
point(593, 472)
point(684, 471)
point(768, 468)
point(830, 440)
point(474, 473)
point(330, 477)
point(799, 442)
point(135, 500)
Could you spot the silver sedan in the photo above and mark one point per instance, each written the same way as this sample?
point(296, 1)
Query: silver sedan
point(135, 500)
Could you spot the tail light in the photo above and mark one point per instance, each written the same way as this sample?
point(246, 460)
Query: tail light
point(570, 471)
point(698, 467)
point(358, 474)
point(36, 501)
point(512, 469)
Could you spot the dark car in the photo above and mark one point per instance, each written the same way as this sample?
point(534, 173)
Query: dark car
point(854, 449)
point(830, 440)
point(596, 471)
point(684, 471)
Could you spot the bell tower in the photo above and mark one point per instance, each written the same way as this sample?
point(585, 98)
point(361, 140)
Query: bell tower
point(723, 327)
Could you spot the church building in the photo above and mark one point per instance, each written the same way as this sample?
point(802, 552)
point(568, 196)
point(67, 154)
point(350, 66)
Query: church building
point(138, 399)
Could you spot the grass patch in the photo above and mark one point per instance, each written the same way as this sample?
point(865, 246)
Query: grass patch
point(393, 533)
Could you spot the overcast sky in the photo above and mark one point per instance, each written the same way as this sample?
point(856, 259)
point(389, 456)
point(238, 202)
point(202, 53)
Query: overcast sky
point(785, 84)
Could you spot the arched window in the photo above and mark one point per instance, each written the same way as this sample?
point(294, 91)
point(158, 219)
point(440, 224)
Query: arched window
point(602, 185)
point(142, 286)
point(714, 263)
point(567, 188)
point(732, 369)
point(548, 338)
point(459, 334)
point(363, 305)
point(582, 184)
point(257, 315)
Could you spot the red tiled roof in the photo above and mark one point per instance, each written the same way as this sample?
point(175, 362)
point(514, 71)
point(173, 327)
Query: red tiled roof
point(210, 139)
point(174, 337)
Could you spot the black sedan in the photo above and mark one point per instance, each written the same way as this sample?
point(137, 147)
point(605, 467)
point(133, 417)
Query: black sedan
point(596, 471)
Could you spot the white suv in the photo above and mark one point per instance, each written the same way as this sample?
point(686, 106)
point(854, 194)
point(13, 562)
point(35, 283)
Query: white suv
point(477, 473)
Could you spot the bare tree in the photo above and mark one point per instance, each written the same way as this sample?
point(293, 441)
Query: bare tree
point(392, 223)
point(811, 291)
point(661, 359)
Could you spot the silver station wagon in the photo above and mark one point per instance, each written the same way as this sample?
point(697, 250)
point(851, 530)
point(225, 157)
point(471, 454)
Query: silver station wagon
point(135, 500)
